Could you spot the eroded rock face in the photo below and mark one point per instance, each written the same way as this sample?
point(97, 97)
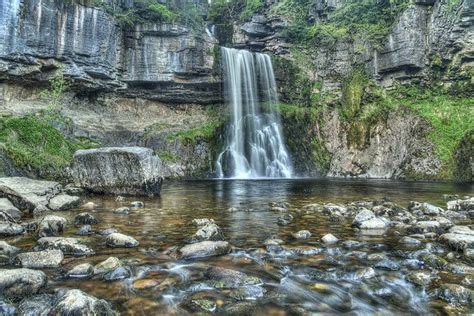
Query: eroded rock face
point(118, 170)
point(19, 283)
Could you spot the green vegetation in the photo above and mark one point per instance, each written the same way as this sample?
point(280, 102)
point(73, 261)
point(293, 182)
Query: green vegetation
point(32, 143)
point(369, 20)
point(352, 92)
point(221, 11)
point(166, 155)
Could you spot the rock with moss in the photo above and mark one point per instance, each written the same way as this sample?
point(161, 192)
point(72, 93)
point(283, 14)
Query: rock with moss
point(19, 283)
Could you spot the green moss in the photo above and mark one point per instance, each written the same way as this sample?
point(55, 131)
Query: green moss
point(352, 92)
point(166, 155)
point(32, 143)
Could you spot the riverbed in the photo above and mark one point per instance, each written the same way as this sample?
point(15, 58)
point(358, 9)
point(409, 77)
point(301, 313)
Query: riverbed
point(305, 276)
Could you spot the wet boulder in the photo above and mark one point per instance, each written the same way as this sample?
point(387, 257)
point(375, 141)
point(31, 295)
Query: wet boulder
point(209, 231)
point(420, 278)
point(83, 270)
point(7, 249)
point(7, 208)
point(76, 302)
point(69, 246)
point(456, 294)
point(284, 219)
point(329, 239)
point(19, 283)
point(107, 265)
point(204, 249)
point(27, 193)
point(85, 230)
point(119, 273)
point(51, 225)
point(459, 237)
point(10, 229)
point(461, 205)
point(62, 202)
point(118, 170)
point(122, 210)
point(85, 219)
point(7, 308)
point(40, 259)
point(37, 305)
point(118, 240)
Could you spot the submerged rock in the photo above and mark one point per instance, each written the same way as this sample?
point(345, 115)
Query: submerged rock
point(329, 239)
point(69, 246)
point(19, 283)
point(85, 219)
point(204, 249)
point(107, 265)
point(137, 204)
point(420, 278)
point(84, 230)
point(119, 273)
point(122, 210)
point(76, 302)
point(228, 278)
point(27, 193)
point(119, 240)
point(63, 202)
point(251, 292)
point(118, 170)
point(284, 219)
point(40, 259)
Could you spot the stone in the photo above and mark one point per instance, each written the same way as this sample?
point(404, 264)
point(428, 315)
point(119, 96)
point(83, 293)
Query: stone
point(19, 283)
point(204, 249)
point(62, 202)
point(459, 238)
point(461, 205)
point(430, 209)
point(7, 249)
point(329, 239)
point(69, 246)
point(89, 206)
point(202, 221)
point(27, 193)
point(387, 264)
point(302, 234)
point(456, 294)
point(40, 259)
point(374, 223)
point(37, 305)
point(84, 270)
point(85, 219)
point(365, 273)
point(107, 265)
point(201, 305)
point(228, 278)
point(137, 204)
point(434, 261)
point(119, 273)
point(7, 308)
point(144, 284)
point(426, 227)
point(468, 253)
point(107, 231)
point(7, 207)
point(51, 225)
point(409, 241)
point(76, 302)
point(209, 231)
point(118, 170)
point(85, 230)
point(10, 229)
point(284, 219)
point(420, 278)
point(122, 210)
point(118, 240)
point(362, 216)
point(251, 292)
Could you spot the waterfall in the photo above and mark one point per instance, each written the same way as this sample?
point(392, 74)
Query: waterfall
point(255, 147)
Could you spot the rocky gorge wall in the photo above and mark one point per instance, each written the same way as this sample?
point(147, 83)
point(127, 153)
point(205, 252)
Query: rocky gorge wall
point(157, 84)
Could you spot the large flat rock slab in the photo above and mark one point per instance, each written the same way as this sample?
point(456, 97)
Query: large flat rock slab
point(27, 193)
point(118, 170)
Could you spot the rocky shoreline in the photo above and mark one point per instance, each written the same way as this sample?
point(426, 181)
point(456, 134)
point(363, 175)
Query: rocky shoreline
point(431, 242)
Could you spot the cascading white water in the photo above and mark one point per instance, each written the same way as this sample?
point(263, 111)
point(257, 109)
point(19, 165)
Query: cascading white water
point(254, 147)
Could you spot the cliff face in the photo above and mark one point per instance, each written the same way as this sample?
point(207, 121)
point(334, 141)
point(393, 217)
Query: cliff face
point(156, 84)
point(164, 62)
